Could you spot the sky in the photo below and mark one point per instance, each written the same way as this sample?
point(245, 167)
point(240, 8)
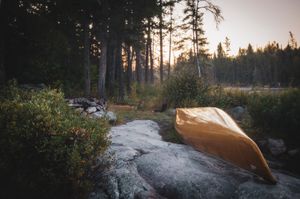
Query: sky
point(252, 21)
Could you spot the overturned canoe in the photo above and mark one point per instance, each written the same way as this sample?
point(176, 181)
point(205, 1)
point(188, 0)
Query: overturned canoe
point(213, 131)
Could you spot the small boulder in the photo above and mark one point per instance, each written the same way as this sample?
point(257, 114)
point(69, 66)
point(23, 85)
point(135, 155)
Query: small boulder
point(293, 152)
point(171, 111)
point(75, 105)
point(276, 146)
point(97, 195)
point(70, 101)
point(85, 103)
point(41, 86)
point(237, 113)
point(92, 103)
point(79, 110)
point(263, 145)
point(33, 86)
point(111, 117)
point(91, 110)
point(100, 108)
point(80, 100)
point(84, 114)
point(98, 114)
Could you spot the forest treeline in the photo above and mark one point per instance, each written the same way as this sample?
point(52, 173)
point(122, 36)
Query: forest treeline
point(96, 46)
point(271, 65)
point(103, 47)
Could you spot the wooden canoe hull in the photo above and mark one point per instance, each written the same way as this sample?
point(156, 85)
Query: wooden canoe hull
point(213, 131)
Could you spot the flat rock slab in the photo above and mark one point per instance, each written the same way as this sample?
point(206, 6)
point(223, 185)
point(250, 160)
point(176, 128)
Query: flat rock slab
point(145, 166)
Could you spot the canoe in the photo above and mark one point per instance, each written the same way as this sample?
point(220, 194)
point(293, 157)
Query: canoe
point(213, 131)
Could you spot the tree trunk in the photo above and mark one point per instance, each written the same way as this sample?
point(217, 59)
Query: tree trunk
point(170, 49)
point(129, 69)
point(197, 53)
point(151, 63)
point(147, 63)
point(148, 43)
point(197, 39)
point(87, 78)
point(170, 41)
point(138, 67)
point(111, 67)
point(2, 68)
point(275, 75)
point(3, 25)
point(102, 69)
point(161, 70)
point(119, 65)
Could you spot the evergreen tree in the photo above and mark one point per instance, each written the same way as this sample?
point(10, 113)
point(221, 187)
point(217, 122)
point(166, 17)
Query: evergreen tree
point(227, 46)
point(193, 21)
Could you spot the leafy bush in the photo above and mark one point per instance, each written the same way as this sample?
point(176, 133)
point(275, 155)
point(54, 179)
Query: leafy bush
point(149, 95)
point(46, 149)
point(143, 97)
point(185, 90)
point(276, 113)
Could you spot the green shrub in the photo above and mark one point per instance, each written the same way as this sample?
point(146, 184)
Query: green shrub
point(276, 113)
point(46, 149)
point(214, 97)
point(237, 98)
point(185, 89)
point(143, 96)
